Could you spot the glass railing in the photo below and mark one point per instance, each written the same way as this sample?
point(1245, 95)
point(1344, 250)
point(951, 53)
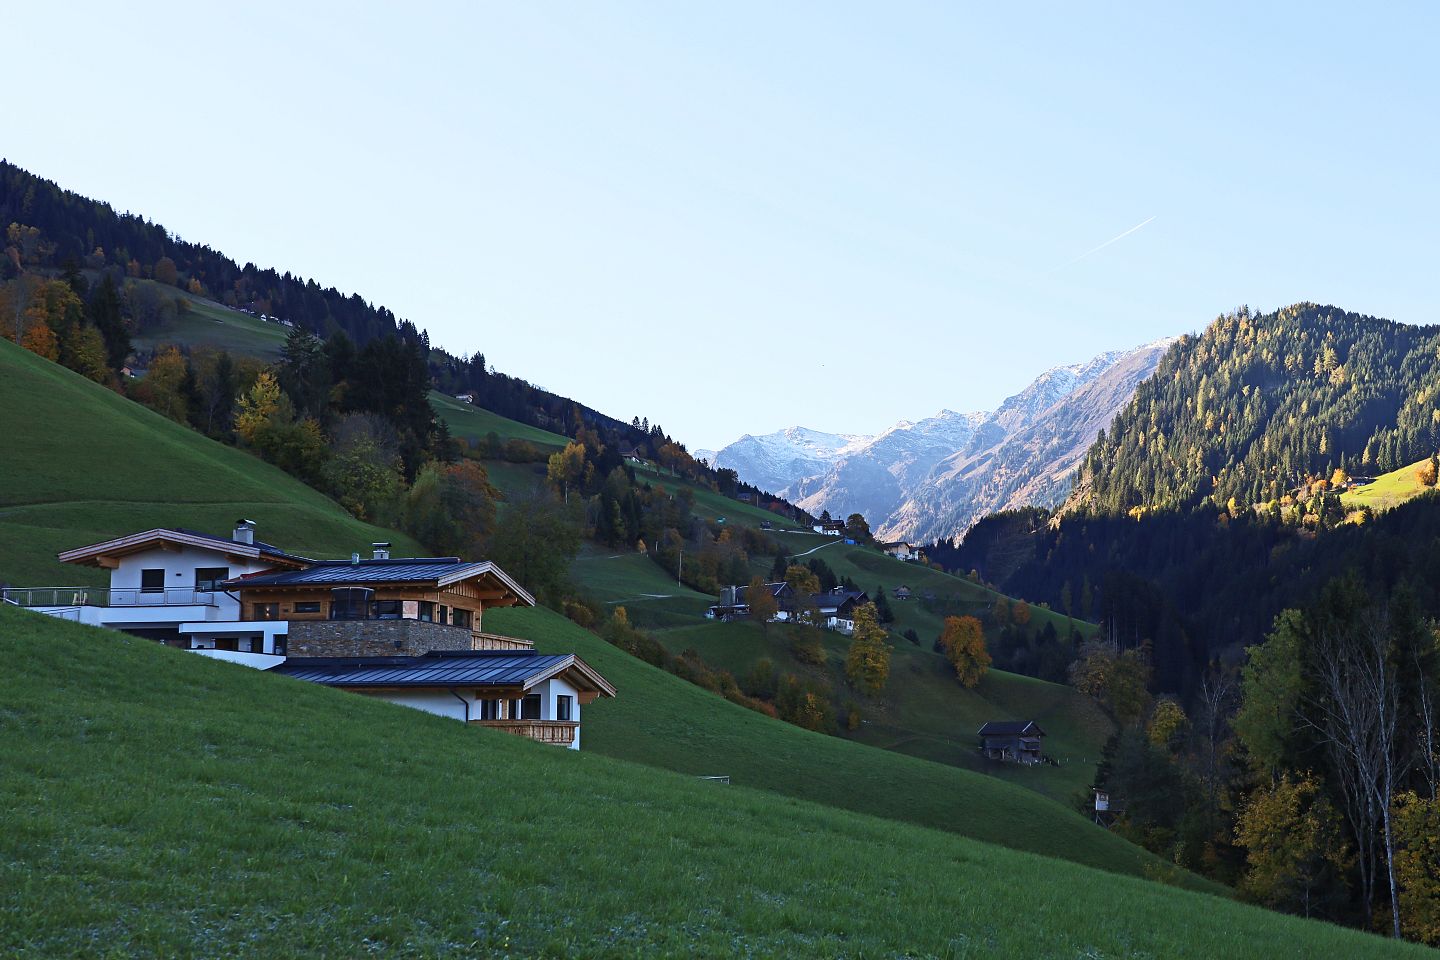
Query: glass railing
point(105, 597)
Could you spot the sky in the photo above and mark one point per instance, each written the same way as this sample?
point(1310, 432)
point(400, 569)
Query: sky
point(736, 217)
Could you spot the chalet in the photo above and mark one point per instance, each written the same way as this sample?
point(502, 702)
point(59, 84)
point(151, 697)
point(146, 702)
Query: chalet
point(902, 592)
point(633, 456)
point(828, 526)
point(734, 603)
point(901, 550)
point(1011, 740)
point(835, 608)
point(465, 397)
point(167, 584)
point(517, 691)
point(416, 623)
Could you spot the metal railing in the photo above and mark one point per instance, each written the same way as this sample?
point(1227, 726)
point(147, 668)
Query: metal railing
point(105, 597)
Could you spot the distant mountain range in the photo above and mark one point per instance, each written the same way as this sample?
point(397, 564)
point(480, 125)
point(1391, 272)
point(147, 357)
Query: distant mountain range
point(935, 477)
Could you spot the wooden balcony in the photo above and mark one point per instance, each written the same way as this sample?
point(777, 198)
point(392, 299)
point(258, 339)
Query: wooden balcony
point(497, 641)
point(546, 731)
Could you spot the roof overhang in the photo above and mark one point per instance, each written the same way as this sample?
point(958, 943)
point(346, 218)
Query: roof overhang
point(578, 674)
point(487, 570)
point(105, 554)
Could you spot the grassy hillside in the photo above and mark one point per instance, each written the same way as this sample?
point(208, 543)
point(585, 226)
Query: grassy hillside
point(265, 817)
point(1388, 490)
point(83, 464)
point(213, 325)
point(663, 721)
point(924, 713)
point(473, 423)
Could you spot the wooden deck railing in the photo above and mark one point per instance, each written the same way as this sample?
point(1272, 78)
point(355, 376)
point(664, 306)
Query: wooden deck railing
point(546, 731)
point(497, 641)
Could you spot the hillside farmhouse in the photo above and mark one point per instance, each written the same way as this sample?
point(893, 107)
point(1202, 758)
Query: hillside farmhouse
point(901, 550)
point(405, 629)
point(828, 526)
point(1017, 741)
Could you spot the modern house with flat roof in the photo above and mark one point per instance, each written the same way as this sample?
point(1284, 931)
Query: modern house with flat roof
point(405, 629)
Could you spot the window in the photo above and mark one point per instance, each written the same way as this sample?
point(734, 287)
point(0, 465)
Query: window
point(208, 579)
point(152, 581)
point(307, 606)
point(489, 709)
point(267, 611)
point(425, 610)
point(529, 707)
point(280, 640)
point(563, 710)
point(386, 609)
point(462, 618)
point(444, 616)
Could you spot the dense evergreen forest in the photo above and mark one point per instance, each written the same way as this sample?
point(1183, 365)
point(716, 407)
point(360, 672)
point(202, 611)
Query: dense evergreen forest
point(1256, 406)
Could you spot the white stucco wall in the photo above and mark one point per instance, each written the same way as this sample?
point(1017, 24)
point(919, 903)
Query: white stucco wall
point(445, 704)
point(179, 566)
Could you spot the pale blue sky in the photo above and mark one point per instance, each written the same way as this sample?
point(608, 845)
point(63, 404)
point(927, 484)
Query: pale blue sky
point(739, 217)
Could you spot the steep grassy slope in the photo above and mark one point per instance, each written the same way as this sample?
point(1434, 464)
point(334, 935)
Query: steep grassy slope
point(664, 721)
point(473, 423)
point(158, 804)
point(81, 464)
point(207, 324)
point(1388, 490)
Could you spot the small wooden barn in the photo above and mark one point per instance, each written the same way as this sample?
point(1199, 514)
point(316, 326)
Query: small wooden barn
point(1015, 740)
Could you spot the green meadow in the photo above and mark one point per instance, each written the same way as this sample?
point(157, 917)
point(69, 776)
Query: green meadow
point(157, 804)
point(1389, 489)
point(82, 464)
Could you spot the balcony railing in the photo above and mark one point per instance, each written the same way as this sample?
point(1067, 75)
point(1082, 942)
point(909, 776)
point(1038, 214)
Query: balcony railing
point(546, 731)
point(104, 597)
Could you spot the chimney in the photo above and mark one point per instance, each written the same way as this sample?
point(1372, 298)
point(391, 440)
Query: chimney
point(382, 550)
point(244, 531)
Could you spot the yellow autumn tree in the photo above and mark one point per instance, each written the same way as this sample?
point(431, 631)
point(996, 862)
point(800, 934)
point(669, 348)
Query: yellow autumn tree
point(566, 467)
point(763, 605)
point(256, 406)
point(963, 640)
point(1167, 721)
point(1295, 851)
point(40, 339)
point(161, 389)
point(867, 665)
point(1417, 866)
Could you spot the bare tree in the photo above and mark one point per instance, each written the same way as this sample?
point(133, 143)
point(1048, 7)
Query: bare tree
point(1356, 713)
point(1217, 702)
point(1427, 747)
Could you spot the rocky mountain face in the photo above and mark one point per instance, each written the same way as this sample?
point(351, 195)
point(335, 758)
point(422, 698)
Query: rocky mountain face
point(936, 477)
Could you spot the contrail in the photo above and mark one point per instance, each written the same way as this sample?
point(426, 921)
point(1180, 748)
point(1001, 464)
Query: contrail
point(1102, 246)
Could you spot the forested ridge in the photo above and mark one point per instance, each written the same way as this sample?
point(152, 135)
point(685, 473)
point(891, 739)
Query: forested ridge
point(1255, 406)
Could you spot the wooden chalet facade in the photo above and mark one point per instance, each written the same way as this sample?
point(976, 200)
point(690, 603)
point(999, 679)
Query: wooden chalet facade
point(1017, 741)
point(407, 605)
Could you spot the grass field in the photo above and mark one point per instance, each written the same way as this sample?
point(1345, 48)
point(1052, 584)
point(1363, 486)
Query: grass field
point(1388, 490)
point(156, 804)
point(473, 423)
point(208, 324)
point(82, 464)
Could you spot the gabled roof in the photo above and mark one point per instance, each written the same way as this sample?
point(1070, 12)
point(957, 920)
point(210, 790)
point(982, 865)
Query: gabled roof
point(433, 571)
point(777, 589)
point(1011, 728)
point(443, 668)
point(137, 542)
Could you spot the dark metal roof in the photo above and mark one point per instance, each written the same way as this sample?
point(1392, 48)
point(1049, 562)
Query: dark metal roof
point(464, 668)
point(258, 544)
point(1011, 728)
point(400, 569)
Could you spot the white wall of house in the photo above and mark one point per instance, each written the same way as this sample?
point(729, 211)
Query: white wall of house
point(180, 566)
point(443, 703)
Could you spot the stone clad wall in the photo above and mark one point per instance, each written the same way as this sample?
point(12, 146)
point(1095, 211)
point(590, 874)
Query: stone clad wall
point(373, 638)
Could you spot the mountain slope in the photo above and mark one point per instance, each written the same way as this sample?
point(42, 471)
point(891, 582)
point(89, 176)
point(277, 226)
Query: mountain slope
point(932, 479)
point(271, 818)
point(1255, 404)
point(1031, 465)
point(81, 464)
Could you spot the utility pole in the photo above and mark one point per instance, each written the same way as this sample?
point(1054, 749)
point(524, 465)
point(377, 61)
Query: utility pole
point(680, 566)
